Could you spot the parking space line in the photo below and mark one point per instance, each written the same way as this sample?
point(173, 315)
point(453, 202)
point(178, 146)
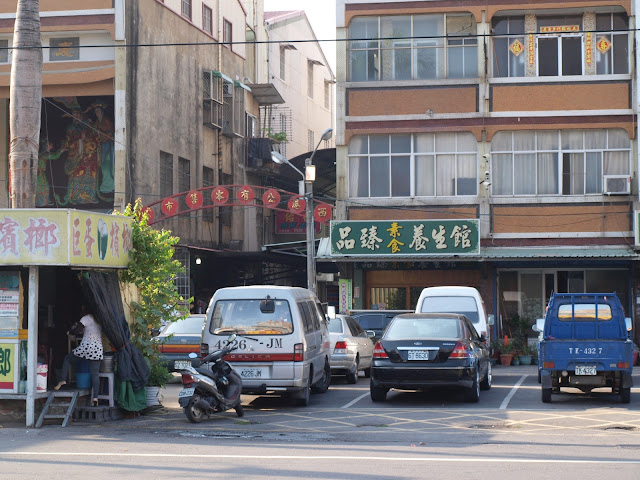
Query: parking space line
point(355, 400)
point(513, 391)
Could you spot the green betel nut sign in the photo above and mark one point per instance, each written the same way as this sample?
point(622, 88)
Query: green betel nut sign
point(405, 238)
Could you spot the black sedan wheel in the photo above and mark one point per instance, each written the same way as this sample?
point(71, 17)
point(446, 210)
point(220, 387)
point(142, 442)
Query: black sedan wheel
point(378, 394)
point(486, 381)
point(473, 394)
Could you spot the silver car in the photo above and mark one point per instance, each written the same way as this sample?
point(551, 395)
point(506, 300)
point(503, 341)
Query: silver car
point(351, 348)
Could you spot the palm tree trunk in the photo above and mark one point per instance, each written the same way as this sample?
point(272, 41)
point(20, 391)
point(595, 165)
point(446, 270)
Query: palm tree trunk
point(25, 104)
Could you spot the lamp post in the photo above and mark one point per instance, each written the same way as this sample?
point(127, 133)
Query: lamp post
point(308, 177)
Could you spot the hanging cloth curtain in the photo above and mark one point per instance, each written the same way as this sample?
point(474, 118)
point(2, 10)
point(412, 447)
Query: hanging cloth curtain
point(102, 291)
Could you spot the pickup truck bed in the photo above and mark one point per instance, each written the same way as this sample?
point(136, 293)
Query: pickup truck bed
point(585, 345)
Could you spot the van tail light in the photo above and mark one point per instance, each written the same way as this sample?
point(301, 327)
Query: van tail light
point(460, 351)
point(548, 364)
point(187, 379)
point(298, 352)
point(341, 347)
point(623, 365)
point(378, 351)
point(204, 350)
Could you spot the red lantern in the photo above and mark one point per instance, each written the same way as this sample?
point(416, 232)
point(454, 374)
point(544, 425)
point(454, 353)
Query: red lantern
point(194, 199)
point(245, 194)
point(297, 204)
point(169, 206)
point(322, 213)
point(219, 195)
point(271, 198)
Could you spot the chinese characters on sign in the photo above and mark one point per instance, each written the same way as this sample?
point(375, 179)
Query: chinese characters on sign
point(64, 237)
point(405, 237)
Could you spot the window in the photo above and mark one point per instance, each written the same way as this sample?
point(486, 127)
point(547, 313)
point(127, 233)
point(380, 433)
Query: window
point(239, 121)
point(4, 51)
point(283, 59)
point(311, 144)
point(613, 55)
point(227, 37)
point(415, 47)
point(207, 19)
point(207, 181)
point(509, 51)
point(309, 78)
point(566, 162)
point(166, 174)
point(252, 123)
point(327, 94)
point(186, 9)
point(184, 175)
point(427, 164)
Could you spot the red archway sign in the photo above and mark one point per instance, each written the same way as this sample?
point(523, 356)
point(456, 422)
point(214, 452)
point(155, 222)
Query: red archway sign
point(297, 205)
point(245, 194)
point(194, 199)
point(219, 195)
point(271, 198)
point(169, 206)
point(322, 213)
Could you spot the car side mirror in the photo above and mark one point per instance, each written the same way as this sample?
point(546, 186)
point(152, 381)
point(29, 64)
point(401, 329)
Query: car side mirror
point(371, 333)
point(539, 326)
point(491, 319)
point(331, 312)
point(483, 339)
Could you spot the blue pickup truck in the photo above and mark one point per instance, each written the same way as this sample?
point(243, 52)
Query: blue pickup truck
point(585, 345)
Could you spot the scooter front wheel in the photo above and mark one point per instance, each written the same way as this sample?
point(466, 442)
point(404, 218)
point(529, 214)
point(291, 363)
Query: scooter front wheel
point(239, 410)
point(193, 413)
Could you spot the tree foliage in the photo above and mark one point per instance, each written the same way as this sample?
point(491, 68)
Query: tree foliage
point(152, 269)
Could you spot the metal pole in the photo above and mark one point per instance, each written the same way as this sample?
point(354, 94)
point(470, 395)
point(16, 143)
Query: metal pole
point(32, 344)
point(311, 263)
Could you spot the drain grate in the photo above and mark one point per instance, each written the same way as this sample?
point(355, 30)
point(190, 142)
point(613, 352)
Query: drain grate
point(621, 427)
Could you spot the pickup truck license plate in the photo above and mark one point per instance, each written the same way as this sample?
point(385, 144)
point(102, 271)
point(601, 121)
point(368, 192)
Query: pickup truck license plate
point(586, 370)
point(186, 392)
point(181, 364)
point(418, 355)
point(253, 372)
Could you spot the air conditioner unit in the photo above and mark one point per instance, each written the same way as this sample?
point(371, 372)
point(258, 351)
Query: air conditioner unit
point(617, 184)
point(227, 128)
point(211, 86)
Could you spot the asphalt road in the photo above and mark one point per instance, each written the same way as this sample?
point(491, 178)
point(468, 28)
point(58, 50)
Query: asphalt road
point(342, 434)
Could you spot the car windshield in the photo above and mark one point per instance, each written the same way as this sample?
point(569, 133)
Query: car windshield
point(423, 328)
point(452, 304)
point(189, 325)
point(335, 325)
point(372, 322)
point(245, 317)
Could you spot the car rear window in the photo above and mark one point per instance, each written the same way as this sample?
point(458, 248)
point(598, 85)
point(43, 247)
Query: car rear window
point(335, 325)
point(584, 312)
point(244, 316)
point(191, 325)
point(373, 322)
point(424, 328)
point(452, 304)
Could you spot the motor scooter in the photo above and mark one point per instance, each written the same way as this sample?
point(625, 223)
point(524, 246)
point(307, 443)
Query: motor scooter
point(213, 387)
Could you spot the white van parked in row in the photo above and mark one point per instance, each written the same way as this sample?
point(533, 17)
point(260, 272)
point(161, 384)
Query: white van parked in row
point(462, 300)
point(282, 339)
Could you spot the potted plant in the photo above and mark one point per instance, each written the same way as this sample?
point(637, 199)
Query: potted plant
point(506, 352)
point(528, 352)
point(158, 378)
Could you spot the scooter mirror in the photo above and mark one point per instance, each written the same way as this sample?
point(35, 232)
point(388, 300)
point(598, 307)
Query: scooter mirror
point(231, 338)
point(193, 355)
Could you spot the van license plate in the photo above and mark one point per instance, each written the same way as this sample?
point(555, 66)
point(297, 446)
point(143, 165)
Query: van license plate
point(418, 354)
point(252, 372)
point(585, 370)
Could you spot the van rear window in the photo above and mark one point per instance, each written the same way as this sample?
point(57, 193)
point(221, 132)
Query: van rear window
point(244, 316)
point(584, 312)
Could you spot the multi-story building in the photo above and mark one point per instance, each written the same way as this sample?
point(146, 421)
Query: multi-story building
point(490, 144)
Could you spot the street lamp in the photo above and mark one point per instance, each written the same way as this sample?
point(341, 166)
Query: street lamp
point(308, 177)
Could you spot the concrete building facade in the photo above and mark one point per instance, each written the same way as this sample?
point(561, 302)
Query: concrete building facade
point(486, 144)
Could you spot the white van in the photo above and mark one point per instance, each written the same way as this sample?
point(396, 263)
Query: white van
point(282, 339)
point(462, 300)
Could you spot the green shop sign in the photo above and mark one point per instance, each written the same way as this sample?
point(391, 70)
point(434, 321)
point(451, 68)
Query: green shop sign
point(402, 238)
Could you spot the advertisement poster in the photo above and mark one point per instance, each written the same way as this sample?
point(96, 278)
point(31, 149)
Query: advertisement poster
point(344, 289)
point(8, 366)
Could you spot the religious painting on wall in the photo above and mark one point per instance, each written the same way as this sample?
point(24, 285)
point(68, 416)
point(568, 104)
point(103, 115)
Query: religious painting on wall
point(76, 156)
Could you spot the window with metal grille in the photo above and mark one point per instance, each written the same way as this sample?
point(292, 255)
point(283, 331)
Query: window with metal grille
point(186, 8)
point(166, 174)
point(327, 95)
point(283, 57)
point(182, 280)
point(207, 181)
point(184, 174)
point(311, 142)
point(227, 34)
point(238, 111)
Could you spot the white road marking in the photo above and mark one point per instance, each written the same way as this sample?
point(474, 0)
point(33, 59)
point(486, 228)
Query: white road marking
point(513, 391)
point(454, 459)
point(355, 400)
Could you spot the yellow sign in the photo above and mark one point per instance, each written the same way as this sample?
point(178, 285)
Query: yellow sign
point(7, 365)
point(64, 237)
point(560, 29)
point(588, 46)
point(516, 47)
point(603, 45)
point(532, 51)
